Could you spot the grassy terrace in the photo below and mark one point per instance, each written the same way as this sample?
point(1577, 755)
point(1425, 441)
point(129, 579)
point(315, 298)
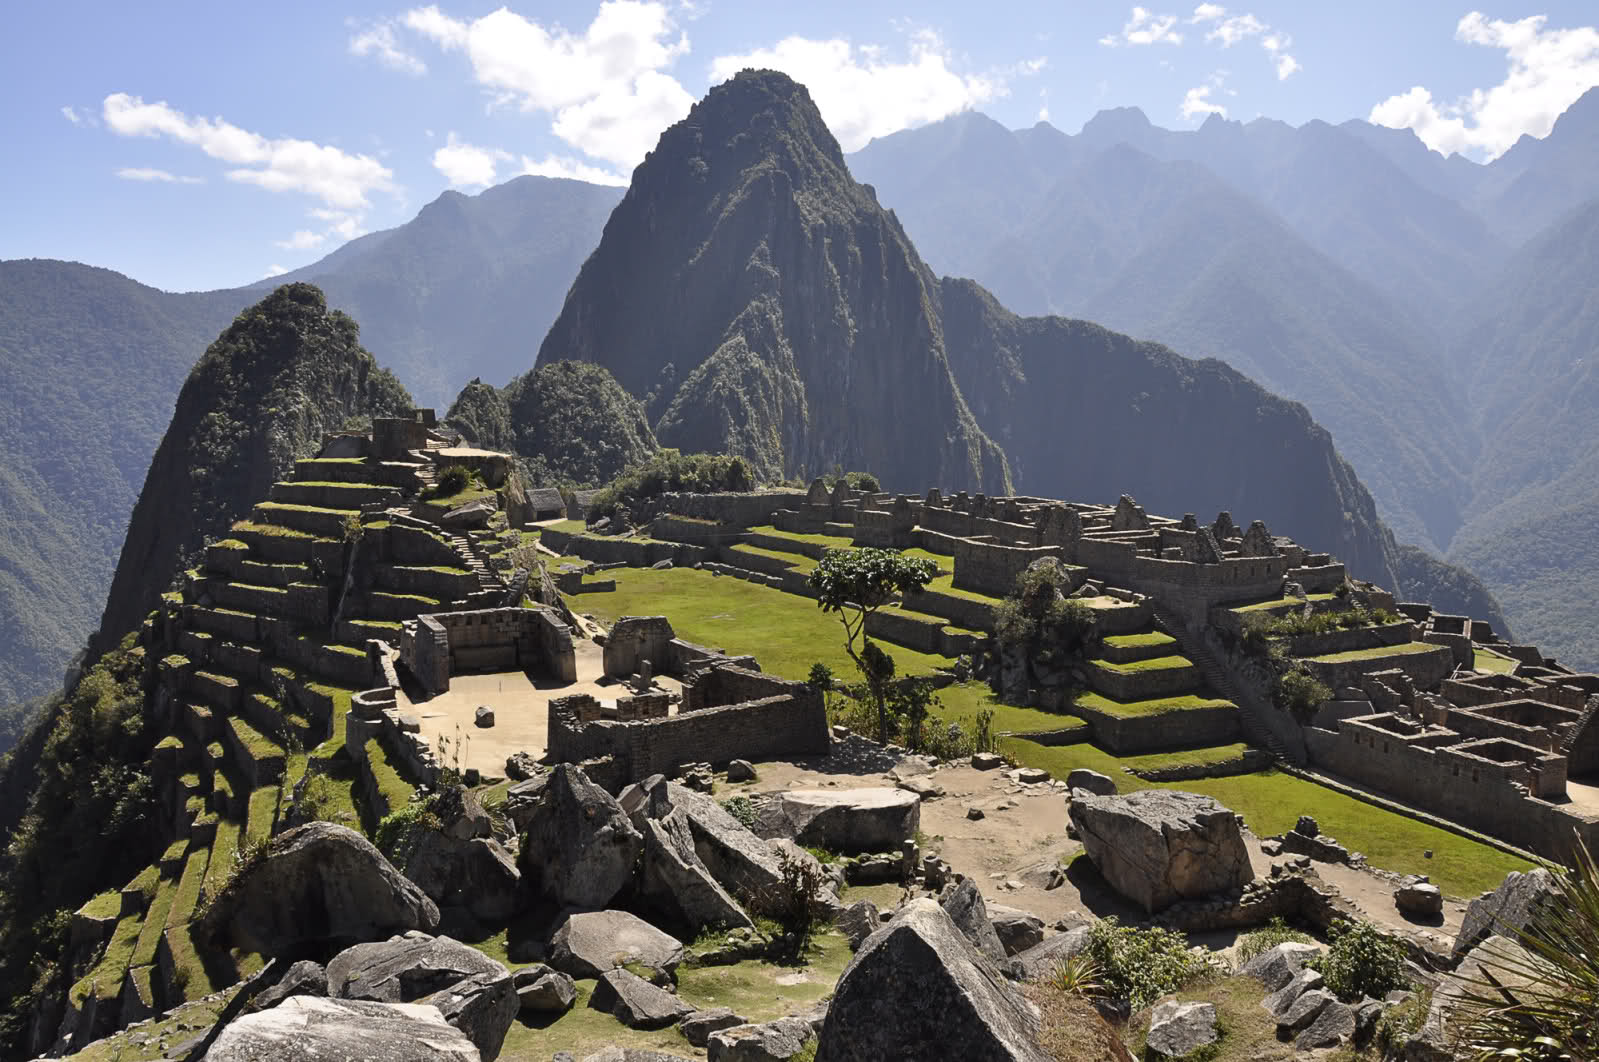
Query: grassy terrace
point(1156, 663)
point(797, 561)
point(263, 811)
point(396, 790)
point(1139, 641)
point(1497, 663)
point(786, 633)
point(272, 506)
point(1158, 706)
point(106, 977)
point(1282, 602)
point(945, 584)
point(1376, 653)
point(270, 529)
point(960, 703)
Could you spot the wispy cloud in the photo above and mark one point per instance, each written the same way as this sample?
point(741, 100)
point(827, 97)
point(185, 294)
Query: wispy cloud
point(466, 165)
point(1219, 28)
point(1146, 27)
point(302, 240)
point(572, 169)
point(274, 271)
point(139, 173)
point(379, 39)
point(1547, 69)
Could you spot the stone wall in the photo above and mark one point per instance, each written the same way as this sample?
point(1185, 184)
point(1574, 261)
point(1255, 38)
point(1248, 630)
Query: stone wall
point(1126, 736)
point(494, 639)
point(635, 639)
point(961, 611)
point(1347, 640)
point(393, 437)
point(1426, 669)
point(744, 510)
point(985, 568)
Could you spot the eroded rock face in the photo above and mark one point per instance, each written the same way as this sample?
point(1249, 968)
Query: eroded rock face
point(1506, 909)
point(1017, 930)
point(1041, 959)
point(675, 877)
point(771, 1041)
point(304, 978)
point(918, 989)
point(483, 1007)
point(476, 876)
point(1158, 846)
point(1178, 1029)
point(319, 884)
point(1277, 966)
point(580, 847)
point(589, 943)
point(965, 907)
point(844, 820)
point(313, 1029)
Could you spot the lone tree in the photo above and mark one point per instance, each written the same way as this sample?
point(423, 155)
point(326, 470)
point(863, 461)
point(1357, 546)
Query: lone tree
point(856, 583)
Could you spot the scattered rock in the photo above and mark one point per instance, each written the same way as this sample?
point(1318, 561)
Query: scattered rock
point(1307, 826)
point(974, 813)
point(674, 877)
point(1177, 1029)
point(1333, 1026)
point(1506, 909)
point(851, 820)
point(473, 514)
point(628, 1054)
point(589, 943)
point(635, 1002)
point(918, 989)
point(483, 1007)
point(1277, 1004)
point(1029, 775)
point(476, 876)
point(319, 884)
point(1367, 1014)
point(1277, 966)
point(698, 1027)
point(987, 761)
point(1017, 930)
point(772, 1041)
point(404, 969)
point(924, 788)
point(580, 847)
point(1419, 900)
point(1158, 846)
point(1304, 1010)
point(965, 906)
point(740, 771)
point(304, 978)
point(313, 1029)
point(1096, 783)
point(857, 922)
point(520, 766)
point(541, 990)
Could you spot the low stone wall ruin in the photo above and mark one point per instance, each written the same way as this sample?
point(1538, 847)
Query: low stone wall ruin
point(436, 645)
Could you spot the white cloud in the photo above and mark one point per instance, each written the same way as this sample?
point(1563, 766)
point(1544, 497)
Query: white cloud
point(133, 173)
point(1227, 30)
point(303, 240)
point(466, 165)
point(274, 271)
point(1548, 69)
point(606, 87)
point(860, 94)
point(378, 39)
point(573, 169)
point(1197, 101)
point(337, 178)
point(72, 115)
point(344, 225)
point(1146, 27)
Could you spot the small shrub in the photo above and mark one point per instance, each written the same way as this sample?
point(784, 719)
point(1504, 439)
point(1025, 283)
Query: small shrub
point(1363, 961)
point(1262, 940)
point(452, 481)
point(1141, 965)
point(1399, 1023)
point(820, 678)
point(983, 739)
point(742, 809)
point(1077, 976)
point(352, 527)
point(1300, 694)
point(794, 903)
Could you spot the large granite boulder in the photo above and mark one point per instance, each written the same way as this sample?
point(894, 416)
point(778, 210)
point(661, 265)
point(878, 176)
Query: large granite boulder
point(1177, 1030)
point(1506, 909)
point(635, 1002)
point(588, 943)
point(841, 820)
point(918, 989)
point(1096, 783)
point(304, 978)
point(698, 1027)
point(1419, 900)
point(1277, 966)
point(965, 907)
point(313, 1029)
point(770, 1041)
point(472, 991)
point(1499, 956)
point(1017, 930)
point(857, 922)
point(1159, 846)
point(1040, 960)
point(739, 860)
point(318, 885)
point(541, 990)
point(674, 878)
point(475, 876)
point(580, 847)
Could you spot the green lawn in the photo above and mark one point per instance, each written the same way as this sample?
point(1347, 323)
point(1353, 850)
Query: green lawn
point(1376, 653)
point(1154, 663)
point(1271, 802)
point(1498, 663)
point(1139, 641)
point(1157, 706)
point(786, 633)
point(960, 703)
point(797, 561)
point(1281, 602)
point(945, 584)
point(829, 541)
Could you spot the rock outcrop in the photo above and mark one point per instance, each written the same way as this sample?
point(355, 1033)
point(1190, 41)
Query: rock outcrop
point(312, 1029)
point(841, 820)
point(318, 885)
point(1506, 909)
point(1158, 846)
point(588, 943)
point(580, 847)
point(918, 989)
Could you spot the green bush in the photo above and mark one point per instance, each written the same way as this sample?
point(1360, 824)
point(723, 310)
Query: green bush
point(632, 494)
point(393, 833)
point(742, 809)
point(1262, 940)
point(452, 481)
point(1141, 965)
point(1363, 961)
point(1036, 616)
point(1300, 695)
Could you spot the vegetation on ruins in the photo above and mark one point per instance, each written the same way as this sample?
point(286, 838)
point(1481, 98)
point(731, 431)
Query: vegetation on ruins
point(1040, 620)
point(86, 822)
point(1293, 688)
point(1267, 937)
point(1361, 961)
point(1297, 623)
point(1141, 965)
point(854, 584)
point(1542, 1008)
point(628, 498)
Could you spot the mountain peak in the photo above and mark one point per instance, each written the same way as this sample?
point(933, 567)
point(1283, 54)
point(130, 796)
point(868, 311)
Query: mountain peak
point(1118, 122)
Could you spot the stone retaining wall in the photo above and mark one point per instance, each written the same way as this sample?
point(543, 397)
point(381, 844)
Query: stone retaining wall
point(1190, 727)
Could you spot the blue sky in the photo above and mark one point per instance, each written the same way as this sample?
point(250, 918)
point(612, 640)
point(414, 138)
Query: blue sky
point(197, 146)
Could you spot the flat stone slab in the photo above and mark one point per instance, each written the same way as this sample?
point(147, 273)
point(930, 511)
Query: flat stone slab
point(589, 943)
point(877, 819)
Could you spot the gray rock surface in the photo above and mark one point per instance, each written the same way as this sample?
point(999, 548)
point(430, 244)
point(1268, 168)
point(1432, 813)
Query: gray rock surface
point(1278, 1003)
point(987, 761)
point(674, 877)
point(631, 1054)
point(1333, 1026)
point(1504, 910)
point(740, 771)
point(588, 943)
point(841, 820)
point(772, 1041)
point(1041, 959)
point(483, 716)
point(1276, 966)
point(635, 1002)
point(966, 908)
point(319, 884)
point(313, 1029)
point(404, 969)
point(1433, 1042)
point(697, 1027)
point(476, 876)
point(1178, 1029)
point(1017, 930)
point(1158, 846)
point(1096, 783)
point(304, 978)
point(541, 990)
point(739, 860)
point(520, 766)
point(857, 922)
point(1305, 1009)
point(1419, 900)
point(580, 848)
point(918, 989)
point(483, 1007)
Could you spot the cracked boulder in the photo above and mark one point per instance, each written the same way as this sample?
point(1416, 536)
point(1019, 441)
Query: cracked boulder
point(580, 847)
point(1159, 846)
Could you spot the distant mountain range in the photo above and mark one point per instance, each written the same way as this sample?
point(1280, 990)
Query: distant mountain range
point(1434, 314)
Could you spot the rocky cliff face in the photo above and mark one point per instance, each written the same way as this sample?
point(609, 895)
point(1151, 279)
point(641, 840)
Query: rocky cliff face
point(768, 306)
point(283, 373)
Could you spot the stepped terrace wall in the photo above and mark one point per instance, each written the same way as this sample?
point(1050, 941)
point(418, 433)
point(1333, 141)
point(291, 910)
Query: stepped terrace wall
point(781, 719)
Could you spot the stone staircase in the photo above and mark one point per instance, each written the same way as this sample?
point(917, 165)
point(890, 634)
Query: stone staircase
point(472, 558)
point(1591, 710)
point(1216, 677)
